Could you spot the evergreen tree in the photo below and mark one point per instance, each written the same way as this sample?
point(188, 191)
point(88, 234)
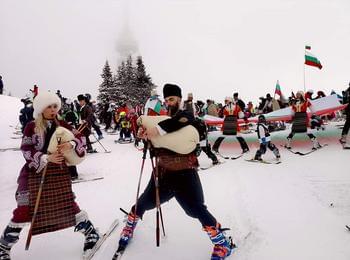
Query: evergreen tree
point(119, 95)
point(106, 87)
point(130, 84)
point(143, 85)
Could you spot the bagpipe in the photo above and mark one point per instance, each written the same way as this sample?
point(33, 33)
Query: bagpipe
point(182, 141)
point(62, 135)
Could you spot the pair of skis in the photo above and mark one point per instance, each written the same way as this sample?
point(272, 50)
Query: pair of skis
point(304, 153)
point(124, 141)
point(9, 149)
point(210, 166)
point(80, 180)
point(264, 161)
point(229, 157)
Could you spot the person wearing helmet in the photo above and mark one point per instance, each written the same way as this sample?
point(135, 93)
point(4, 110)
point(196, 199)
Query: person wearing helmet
point(301, 121)
point(125, 128)
point(264, 140)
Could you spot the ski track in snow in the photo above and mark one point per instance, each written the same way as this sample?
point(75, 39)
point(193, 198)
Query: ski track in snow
point(274, 211)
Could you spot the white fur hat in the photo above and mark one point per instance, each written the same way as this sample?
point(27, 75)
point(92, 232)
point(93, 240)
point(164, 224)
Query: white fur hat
point(43, 100)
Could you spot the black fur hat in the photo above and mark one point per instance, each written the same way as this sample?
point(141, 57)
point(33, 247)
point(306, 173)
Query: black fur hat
point(171, 90)
point(81, 97)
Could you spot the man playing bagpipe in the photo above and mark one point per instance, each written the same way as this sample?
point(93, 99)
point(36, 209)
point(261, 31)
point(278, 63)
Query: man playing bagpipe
point(175, 174)
point(44, 193)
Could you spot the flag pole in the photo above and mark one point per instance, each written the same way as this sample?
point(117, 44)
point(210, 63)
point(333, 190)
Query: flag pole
point(304, 79)
point(304, 69)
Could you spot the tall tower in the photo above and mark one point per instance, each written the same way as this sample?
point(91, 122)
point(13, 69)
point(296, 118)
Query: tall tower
point(126, 43)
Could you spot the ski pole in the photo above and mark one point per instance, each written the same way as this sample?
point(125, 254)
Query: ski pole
point(156, 181)
point(29, 237)
point(106, 151)
point(141, 171)
point(160, 208)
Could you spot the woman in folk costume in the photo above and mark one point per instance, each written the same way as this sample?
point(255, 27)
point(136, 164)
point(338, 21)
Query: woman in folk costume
point(232, 111)
point(57, 208)
point(301, 121)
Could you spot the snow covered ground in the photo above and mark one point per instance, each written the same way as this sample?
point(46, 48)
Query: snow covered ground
point(293, 210)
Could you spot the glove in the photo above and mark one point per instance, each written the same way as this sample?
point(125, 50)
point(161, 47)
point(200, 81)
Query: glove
point(263, 140)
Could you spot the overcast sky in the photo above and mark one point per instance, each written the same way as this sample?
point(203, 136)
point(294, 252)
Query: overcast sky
point(210, 48)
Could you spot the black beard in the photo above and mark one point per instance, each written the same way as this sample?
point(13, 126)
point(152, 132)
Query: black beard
point(172, 110)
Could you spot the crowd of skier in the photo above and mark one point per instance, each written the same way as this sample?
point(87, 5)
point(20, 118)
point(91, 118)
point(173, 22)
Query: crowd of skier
point(50, 114)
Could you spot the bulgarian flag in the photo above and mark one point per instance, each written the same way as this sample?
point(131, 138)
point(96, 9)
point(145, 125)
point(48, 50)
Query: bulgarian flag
point(278, 89)
point(311, 59)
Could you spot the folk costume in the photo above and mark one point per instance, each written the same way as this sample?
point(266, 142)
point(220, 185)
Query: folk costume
point(57, 208)
point(232, 111)
point(178, 178)
point(301, 120)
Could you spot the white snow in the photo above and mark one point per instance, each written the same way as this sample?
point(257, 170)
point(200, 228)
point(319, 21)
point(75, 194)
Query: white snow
point(274, 211)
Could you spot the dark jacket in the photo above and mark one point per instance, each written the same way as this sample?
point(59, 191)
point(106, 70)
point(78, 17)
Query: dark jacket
point(26, 116)
point(181, 119)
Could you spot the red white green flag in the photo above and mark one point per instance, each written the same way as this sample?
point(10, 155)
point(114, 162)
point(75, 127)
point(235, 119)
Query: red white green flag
point(311, 59)
point(278, 89)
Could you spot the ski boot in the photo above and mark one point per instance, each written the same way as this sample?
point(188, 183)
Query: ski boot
point(8, 239)
point(128, 230)
point(257, 158)
point(315, 144)
point(91, 234)
point(223, 246)
point(287, 145)
point(276, 152)
point(128, 139)
point(5, 252)
point(342, 140)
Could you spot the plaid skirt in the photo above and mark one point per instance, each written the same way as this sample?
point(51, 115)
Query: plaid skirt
point(230, 125)
point(300, 122)
point(57, 208)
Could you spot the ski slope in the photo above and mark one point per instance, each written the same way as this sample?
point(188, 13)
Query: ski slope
point(293, 210)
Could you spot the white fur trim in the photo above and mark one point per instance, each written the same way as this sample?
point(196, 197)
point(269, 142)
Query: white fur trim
point(43, 100)
point(182, 141)
point(71, 156)
point(17, 225)
point(81, 216)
